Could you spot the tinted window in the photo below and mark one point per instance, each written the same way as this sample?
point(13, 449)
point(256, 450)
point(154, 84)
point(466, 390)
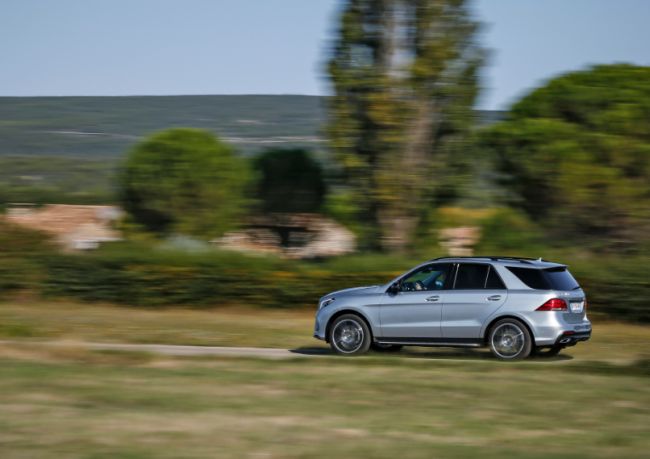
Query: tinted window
point(431, 277)
point(560, 279)
point(533, 278)
point(545, 279)
point(494, 282)
point(471, 276)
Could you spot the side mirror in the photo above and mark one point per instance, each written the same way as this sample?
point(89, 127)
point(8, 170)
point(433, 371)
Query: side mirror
point(394, 289)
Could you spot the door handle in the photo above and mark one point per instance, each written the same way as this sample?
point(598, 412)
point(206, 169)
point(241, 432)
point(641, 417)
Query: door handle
point(433, 298)
point(494, 298)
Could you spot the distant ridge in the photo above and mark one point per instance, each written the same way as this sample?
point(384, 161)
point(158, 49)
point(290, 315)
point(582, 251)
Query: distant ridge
point(104, 127)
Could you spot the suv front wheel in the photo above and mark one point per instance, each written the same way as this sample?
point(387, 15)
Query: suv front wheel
point(509, 339)
point(349, 335)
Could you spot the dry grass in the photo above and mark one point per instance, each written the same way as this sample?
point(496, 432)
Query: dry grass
point(228, 326)
point(242, 326)
point(116, 406)
point(64, 401)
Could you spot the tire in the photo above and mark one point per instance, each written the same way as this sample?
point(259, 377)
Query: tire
point(509, 339)
point(386, 347)
point(349, 335)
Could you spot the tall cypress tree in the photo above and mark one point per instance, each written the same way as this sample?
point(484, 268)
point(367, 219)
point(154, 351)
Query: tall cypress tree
point(404, 74)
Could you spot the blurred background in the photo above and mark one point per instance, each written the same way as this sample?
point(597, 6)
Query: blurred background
point(202, 172)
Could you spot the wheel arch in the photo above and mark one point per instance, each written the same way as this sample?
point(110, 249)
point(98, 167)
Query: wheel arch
point(488, 328)
point(344, 311)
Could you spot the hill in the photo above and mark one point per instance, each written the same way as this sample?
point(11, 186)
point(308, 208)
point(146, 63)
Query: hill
point(105, 127)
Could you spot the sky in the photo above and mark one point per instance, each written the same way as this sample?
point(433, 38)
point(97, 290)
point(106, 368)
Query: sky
point(137, 47)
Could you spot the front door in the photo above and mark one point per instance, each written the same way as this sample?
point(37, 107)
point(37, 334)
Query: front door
point(416, 309)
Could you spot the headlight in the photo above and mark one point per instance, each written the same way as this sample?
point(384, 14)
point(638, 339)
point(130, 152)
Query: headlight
point(327, 302)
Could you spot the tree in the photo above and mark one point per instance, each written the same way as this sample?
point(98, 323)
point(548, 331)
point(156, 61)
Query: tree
point(575, 154)
point(184, 181)
point(290, 180)
point(404, 77)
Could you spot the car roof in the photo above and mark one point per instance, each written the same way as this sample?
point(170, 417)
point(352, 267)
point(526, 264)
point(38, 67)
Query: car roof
point(522, 262)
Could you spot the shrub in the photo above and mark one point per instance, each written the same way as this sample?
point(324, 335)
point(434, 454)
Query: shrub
point(289, 181)
point(184, 181)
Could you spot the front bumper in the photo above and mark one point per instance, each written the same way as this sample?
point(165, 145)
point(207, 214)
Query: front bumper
point(320, 325)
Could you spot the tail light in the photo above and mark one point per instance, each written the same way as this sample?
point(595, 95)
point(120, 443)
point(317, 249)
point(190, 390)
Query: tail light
point(555, 304)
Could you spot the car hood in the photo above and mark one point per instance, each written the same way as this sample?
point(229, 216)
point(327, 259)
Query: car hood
point(355, 291)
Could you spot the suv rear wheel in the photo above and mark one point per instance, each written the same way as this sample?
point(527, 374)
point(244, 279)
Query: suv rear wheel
point(509, 339)
point(349, 335)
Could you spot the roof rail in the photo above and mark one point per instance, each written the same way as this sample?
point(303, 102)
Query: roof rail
point(526, 260)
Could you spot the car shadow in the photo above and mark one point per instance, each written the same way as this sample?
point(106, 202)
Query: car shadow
point(431, 353)
point(312, 351)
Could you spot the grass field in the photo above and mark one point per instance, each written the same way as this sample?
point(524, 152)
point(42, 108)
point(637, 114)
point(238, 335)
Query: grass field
point(239, 326)
point(67, 402)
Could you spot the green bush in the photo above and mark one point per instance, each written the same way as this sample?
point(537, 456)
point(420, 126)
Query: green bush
point(290, 180)
point(618, 288)
point(184, 181)
point(20, 250)
point(138, 275)
point(182, 279)
point(508, 232)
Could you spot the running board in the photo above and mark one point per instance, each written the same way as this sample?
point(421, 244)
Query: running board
point(432, 342)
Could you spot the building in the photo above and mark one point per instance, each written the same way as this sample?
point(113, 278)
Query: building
point(73, 227)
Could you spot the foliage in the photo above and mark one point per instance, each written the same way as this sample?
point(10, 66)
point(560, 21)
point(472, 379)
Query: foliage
point(575, 155)
point(615, 287)
point(184, 181)
point(290, 180)
point(154, 279)
point(20, 252)
point(510, 233)
point(404, 77)
point(140, 275)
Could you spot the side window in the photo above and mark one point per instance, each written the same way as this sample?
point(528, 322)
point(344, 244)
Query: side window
point(493, 281)
point(430, 277)
point(533, 278)
point(471, 276)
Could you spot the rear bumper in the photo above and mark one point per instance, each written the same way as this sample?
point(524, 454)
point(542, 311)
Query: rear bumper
point(551, 327)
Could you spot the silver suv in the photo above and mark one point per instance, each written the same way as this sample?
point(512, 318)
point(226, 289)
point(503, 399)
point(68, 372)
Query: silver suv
point(516, 306)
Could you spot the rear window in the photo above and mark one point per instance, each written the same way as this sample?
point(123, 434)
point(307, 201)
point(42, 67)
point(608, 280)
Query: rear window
point(546, 279)
point(561, 279)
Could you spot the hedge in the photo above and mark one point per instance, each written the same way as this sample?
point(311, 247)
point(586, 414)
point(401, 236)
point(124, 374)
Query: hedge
point(143, 282)
point(618, 288)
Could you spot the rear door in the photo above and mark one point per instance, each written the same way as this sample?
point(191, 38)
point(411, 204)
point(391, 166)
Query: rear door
point(477, 293)
point(415, 311)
